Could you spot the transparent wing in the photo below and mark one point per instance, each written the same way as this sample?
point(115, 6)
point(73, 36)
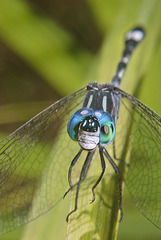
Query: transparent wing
point(34, 162)
point(143, 144)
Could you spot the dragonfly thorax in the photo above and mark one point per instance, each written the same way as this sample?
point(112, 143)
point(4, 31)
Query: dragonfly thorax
point(89, 133)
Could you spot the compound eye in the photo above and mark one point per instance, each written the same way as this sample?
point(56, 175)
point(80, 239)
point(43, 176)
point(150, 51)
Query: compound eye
point(75, 120)
point(107, 134)
point(107, 127)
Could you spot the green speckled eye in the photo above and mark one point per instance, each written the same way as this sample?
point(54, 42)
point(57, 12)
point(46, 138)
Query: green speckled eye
point(107, 127)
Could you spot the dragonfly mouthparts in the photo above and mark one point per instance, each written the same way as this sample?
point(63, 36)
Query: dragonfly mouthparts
point(88, 140)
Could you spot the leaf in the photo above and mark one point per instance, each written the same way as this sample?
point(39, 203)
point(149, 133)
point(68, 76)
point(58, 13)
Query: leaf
point(43, 45)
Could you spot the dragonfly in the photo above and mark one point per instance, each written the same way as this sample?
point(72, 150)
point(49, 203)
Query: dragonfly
point(35, 160)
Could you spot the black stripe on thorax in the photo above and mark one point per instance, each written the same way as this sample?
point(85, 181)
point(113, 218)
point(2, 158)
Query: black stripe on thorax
point(99, 97)
point(102, 97)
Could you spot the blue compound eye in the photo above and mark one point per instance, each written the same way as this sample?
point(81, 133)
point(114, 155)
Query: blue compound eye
point(107, 127)
point(75, 120)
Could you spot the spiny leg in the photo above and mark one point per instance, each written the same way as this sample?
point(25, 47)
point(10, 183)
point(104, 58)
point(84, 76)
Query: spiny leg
point(119, 177)
point(101, 175)
point(70, 171)
point(81, 178)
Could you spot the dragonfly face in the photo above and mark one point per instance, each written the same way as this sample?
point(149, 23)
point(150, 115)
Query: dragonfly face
point(91, 128)
point(88, 133)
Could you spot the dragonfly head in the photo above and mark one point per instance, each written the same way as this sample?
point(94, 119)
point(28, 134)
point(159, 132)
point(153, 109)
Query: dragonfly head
point(91, 128)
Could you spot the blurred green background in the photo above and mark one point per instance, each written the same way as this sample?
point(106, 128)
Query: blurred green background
point(50, 48)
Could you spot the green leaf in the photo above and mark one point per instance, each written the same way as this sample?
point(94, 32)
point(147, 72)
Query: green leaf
point(43, 45)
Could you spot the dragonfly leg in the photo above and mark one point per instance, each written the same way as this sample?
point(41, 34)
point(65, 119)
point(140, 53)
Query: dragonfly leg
point(119, 178)
point(81, 178)
point(70, 171)
point(100, 177)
